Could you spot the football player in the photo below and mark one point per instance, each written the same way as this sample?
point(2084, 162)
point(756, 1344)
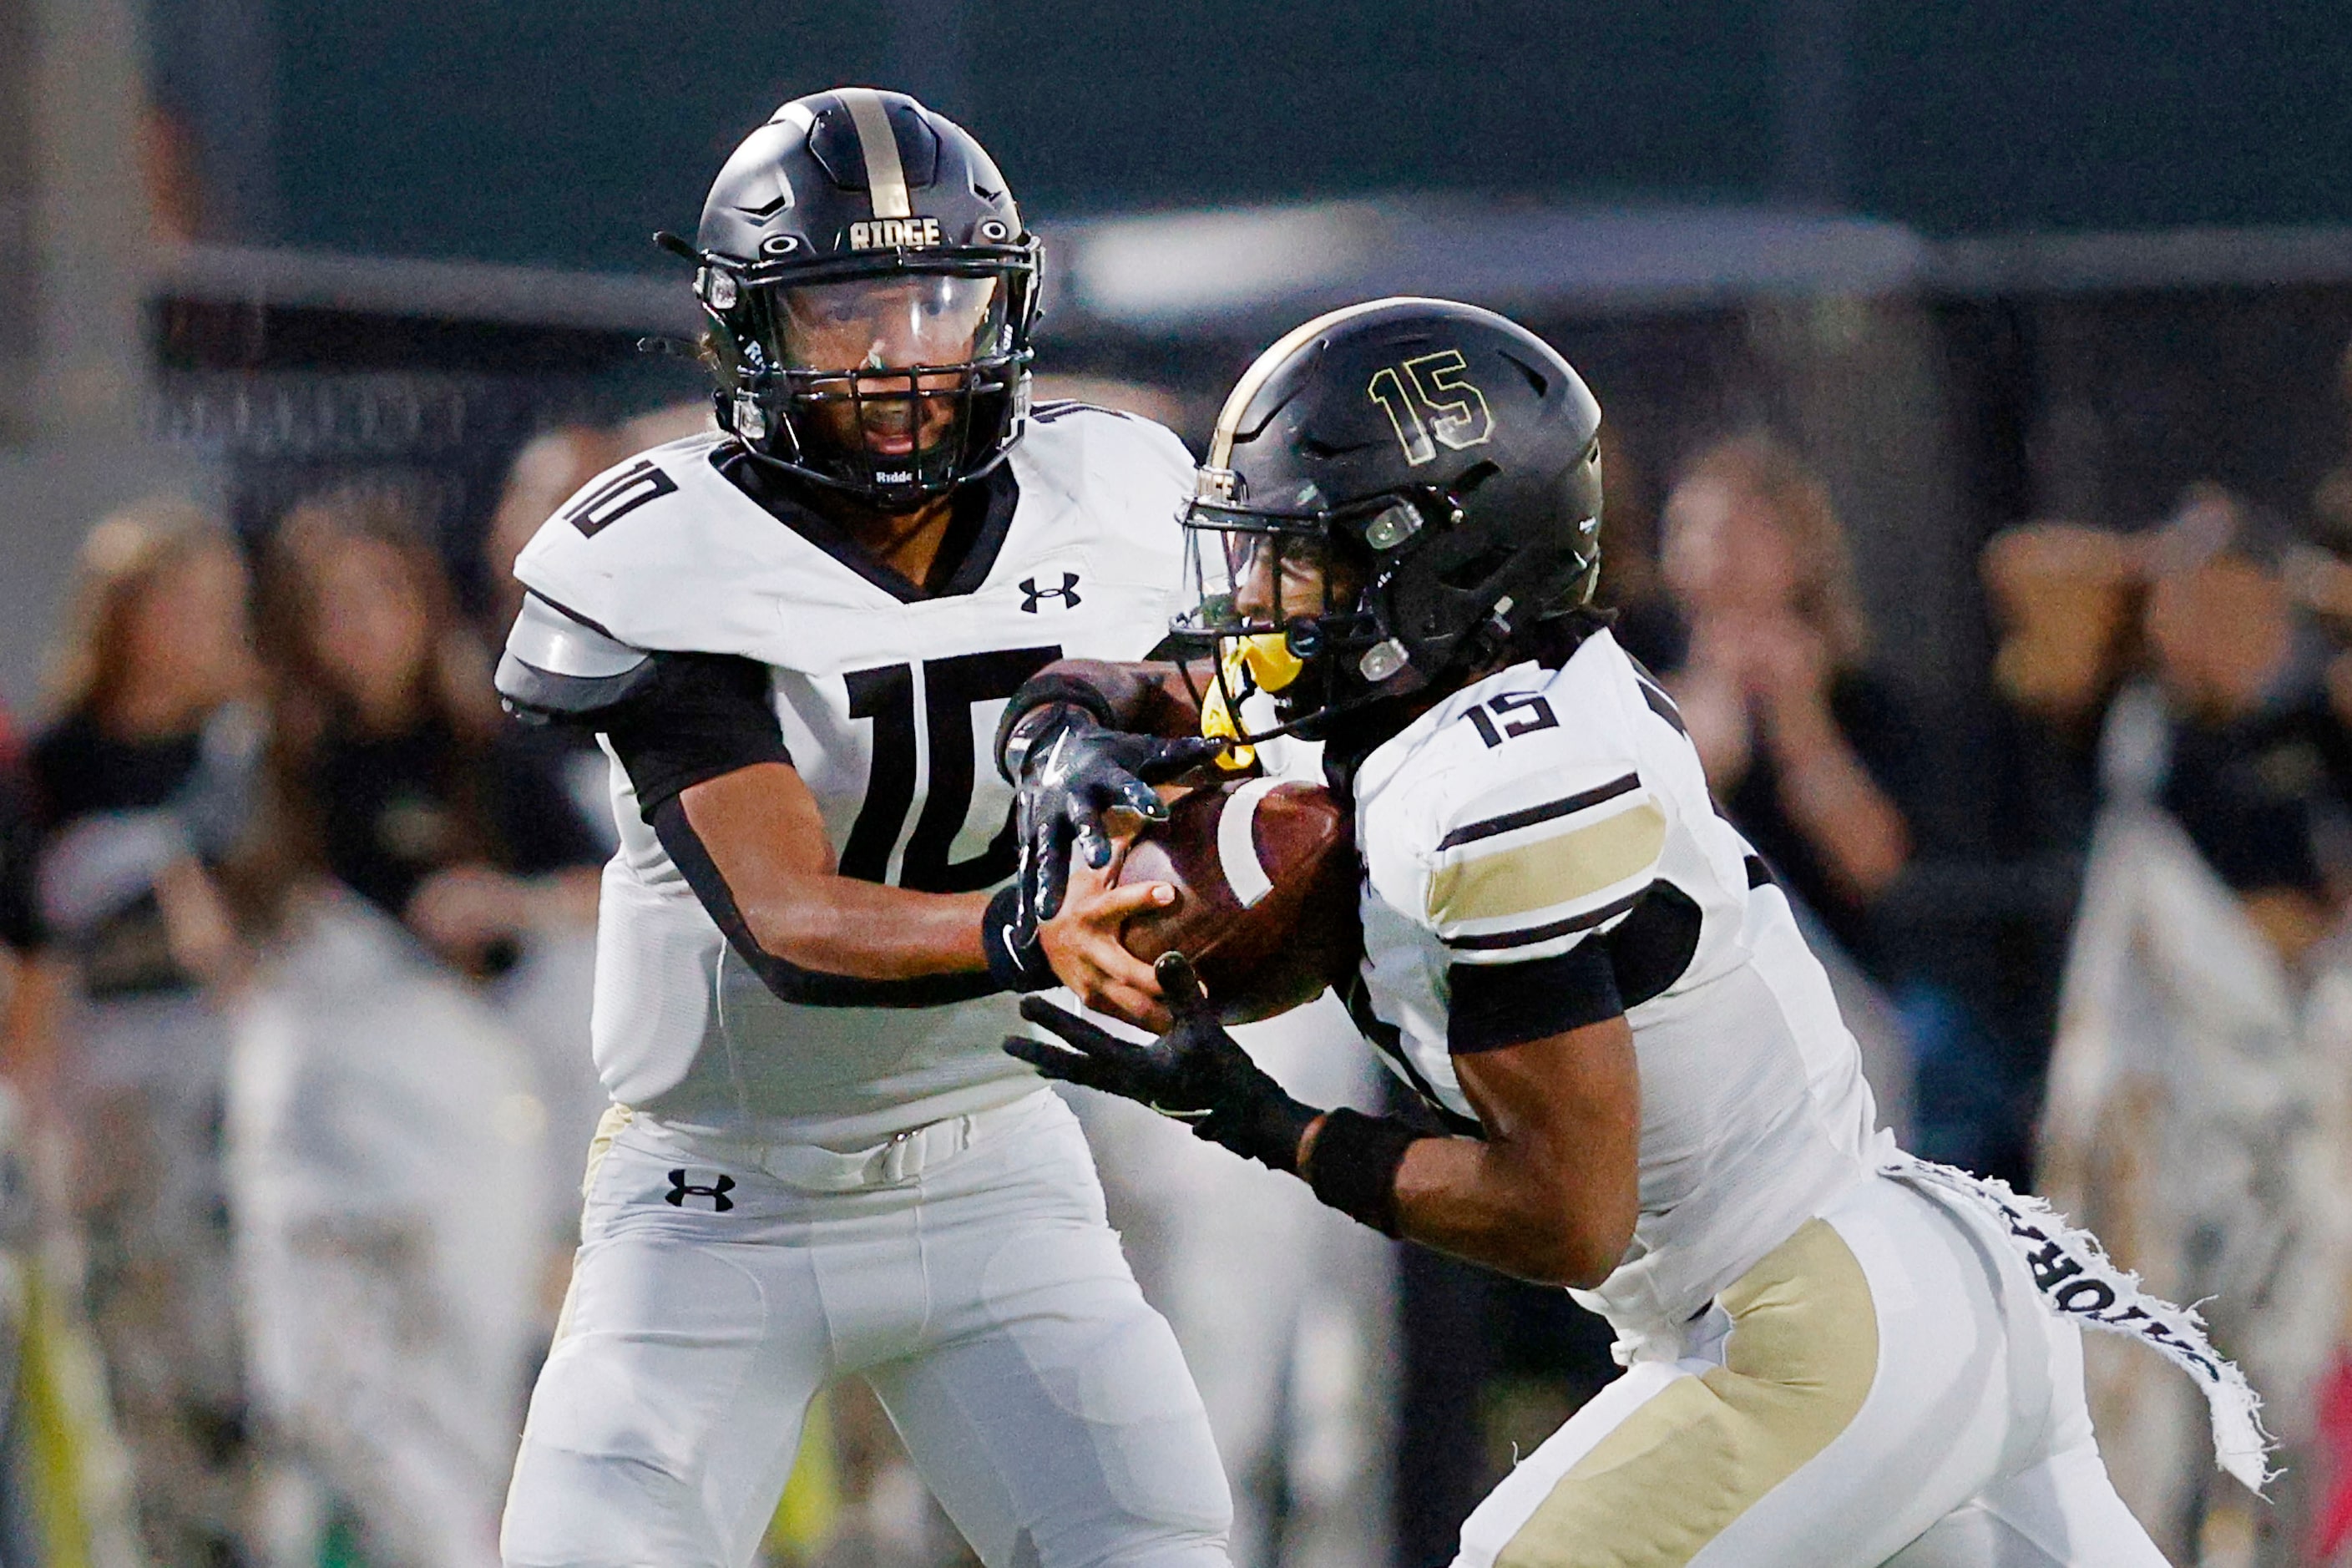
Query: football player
point(794, 639)
point(1835, 1355)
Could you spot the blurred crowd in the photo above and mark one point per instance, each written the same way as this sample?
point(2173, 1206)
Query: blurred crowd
point(298, 933)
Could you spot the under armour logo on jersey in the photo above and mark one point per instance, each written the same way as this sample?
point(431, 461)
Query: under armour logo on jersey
point(680, 1190)
point(1032, 596)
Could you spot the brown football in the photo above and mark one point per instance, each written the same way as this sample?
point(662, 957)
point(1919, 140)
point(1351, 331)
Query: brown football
point(1265, 879)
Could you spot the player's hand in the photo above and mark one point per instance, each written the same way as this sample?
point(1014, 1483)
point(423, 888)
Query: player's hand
point(1084, 944)
point(1194, 1073)
point(1071, 772)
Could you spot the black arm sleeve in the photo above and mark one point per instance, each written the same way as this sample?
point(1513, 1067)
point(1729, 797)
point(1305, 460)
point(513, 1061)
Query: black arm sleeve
point(1497, 1005)
point(701, 715)
point(789, 982)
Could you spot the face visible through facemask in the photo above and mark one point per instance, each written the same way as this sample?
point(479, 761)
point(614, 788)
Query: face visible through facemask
point(1279, 578)
point(892, 324)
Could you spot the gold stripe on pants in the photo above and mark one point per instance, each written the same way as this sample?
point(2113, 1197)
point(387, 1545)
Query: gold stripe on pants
point(1673, 1476)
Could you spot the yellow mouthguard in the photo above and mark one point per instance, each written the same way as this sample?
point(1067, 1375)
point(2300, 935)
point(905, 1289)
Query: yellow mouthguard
point(1260, 663)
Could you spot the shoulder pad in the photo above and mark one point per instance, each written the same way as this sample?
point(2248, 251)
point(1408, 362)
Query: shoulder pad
point(558, 665)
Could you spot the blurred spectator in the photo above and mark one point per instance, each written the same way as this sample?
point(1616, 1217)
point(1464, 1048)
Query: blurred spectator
point(2199, 1107)
point(1800, 742)
point(142, 787)
point(385, 1122)
point(1808, 752)
point(2067, 603)
point(394, 772)
point(2258, 766)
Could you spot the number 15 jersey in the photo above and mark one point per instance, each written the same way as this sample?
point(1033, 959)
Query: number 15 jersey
point(888, 699)
point(1542, 853)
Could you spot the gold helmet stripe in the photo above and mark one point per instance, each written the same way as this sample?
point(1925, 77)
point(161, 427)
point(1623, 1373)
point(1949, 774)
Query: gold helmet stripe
point(886, 180)
point(1221, 442)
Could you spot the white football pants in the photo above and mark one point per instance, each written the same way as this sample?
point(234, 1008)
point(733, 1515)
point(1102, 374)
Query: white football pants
point(1884, 1387)
point(965, 1270)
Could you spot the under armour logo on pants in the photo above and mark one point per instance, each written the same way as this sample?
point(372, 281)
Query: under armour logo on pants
point(680, 1190)
point(1032, 596)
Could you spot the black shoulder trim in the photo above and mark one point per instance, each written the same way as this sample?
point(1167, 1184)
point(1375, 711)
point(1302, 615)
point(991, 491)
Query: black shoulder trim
point(1663, 706)
point(1527, 817)
point(532, 693)
point(599, 627)
point(1498, 941)
point(1655, 945)
point(1494, 1006)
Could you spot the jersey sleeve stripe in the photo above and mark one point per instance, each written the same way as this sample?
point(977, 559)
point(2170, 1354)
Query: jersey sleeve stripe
point(1663, 706)
point(1527, 817)
point(1561, 869)
point(1527, 936)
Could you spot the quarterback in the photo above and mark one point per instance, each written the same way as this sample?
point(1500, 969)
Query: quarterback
point(1835, 1355)
point(795, 640)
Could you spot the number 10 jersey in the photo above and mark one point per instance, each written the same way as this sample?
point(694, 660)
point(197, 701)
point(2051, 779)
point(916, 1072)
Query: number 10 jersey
point(887, 699)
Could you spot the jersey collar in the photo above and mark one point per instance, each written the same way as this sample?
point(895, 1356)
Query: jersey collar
point(982, 518)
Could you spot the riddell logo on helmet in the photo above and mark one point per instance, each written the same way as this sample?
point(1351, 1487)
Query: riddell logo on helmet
point(911, 233)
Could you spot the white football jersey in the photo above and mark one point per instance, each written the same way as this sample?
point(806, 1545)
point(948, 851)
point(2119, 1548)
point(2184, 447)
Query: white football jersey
point(1539, 809)
point(888, 706)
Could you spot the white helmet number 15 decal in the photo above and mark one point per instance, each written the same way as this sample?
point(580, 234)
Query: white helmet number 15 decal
point(1429, 397)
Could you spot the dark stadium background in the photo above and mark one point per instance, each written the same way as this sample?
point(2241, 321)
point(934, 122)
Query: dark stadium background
point(538, 131)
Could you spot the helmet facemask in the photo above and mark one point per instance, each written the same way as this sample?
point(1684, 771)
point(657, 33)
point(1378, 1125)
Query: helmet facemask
point(1288, 605)
point(894, 384)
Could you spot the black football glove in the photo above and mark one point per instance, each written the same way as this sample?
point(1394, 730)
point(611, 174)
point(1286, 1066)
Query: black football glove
point(1069, 770)
point(1194, 1073)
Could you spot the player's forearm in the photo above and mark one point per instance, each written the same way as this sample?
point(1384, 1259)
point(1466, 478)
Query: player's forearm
point(1493, 1205)
point(1551, 1193)
point(839, 925)
point(751, 844)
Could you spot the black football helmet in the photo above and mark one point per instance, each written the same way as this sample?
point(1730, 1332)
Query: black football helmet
point(1391, 489)
point(869, 291)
